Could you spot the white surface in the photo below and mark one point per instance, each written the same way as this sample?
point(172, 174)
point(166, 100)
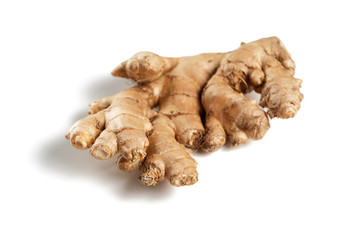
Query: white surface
point(300, 182)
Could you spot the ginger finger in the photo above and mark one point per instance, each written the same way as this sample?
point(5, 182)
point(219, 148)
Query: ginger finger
point(100, 104)
point(280, 93)
point(167, 158)
point(215, 136)
point(144, 67)
point(84, 132)
point(105, 146)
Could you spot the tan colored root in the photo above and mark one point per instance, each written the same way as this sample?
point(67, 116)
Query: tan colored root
point(144, 67)
point(233, 113)
point(280, 93)
point(263, 65)
point(172, 83)
point(266, 66)
point(215, 136)
point(117, 124)
point(100, 104)
point(84, 132)
point(167, 158)
point(183, 79)
point(106, 146)
point(180, 99)
point(121, 123)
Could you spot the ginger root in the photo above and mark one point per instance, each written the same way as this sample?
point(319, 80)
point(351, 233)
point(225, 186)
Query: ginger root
point(158, 143)
point(264, 66)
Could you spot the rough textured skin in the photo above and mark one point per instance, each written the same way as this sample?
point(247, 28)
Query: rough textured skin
point(264, 66)
point(155, 142)
point(167, 158)
point(121, 123)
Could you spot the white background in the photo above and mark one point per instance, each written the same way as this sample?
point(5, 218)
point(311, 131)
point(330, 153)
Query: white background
point(301, 181)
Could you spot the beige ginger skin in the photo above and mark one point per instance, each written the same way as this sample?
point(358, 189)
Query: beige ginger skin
point(158, 143)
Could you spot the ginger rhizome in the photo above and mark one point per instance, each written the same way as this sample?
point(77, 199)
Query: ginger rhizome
point(121, 123)
point(264, 66)
point(185, 89)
